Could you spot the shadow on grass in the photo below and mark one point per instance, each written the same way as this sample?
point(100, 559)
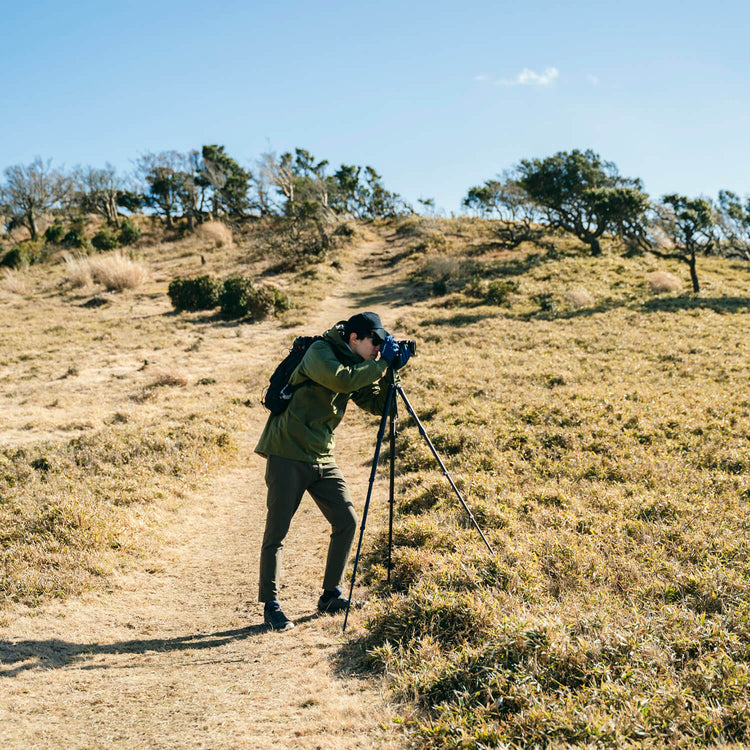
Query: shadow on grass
point(394, 295)
point(717, 304)
point(17, 657)
point(721, 305)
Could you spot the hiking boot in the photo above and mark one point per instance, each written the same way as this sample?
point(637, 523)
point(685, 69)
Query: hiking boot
point(275, 618)
point(332, 601)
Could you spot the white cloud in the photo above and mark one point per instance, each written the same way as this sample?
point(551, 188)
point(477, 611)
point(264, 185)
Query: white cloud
point(529, 78)
point(592, 79)
point(526, 77)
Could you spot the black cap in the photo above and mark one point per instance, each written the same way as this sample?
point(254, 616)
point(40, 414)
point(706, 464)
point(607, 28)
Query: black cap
point(367, 322)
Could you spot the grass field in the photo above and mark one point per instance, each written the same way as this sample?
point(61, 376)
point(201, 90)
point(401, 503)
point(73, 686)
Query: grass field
point(603, 448)
point(598, 429)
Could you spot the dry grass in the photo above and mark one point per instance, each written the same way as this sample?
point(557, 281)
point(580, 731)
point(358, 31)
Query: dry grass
point(604, 453)
point(71, 509)
point(114, 271)
point(603, 450)
point(215, 232)
point(117, 272)
point(663, 281)
point(16, 282)
point(580, 298)
point(78, 270)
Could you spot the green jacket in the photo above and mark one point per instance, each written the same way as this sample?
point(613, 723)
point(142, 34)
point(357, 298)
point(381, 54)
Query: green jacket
point(332, 374)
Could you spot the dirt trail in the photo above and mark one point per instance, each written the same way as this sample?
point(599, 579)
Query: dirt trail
point(174, 654)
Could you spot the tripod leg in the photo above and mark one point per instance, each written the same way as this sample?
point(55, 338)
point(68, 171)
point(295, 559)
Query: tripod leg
point(381, 433)
point(423, 433)
point(394, 421)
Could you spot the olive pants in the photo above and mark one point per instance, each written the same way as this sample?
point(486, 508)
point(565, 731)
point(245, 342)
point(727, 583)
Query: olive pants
point(287, 481)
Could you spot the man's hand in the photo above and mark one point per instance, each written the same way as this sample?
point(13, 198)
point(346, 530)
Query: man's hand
point(389, 349)
point(402, 358)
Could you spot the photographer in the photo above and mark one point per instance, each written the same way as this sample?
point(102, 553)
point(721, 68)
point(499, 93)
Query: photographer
point(350, 362)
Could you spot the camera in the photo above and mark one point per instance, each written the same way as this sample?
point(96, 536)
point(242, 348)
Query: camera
point(409, 344)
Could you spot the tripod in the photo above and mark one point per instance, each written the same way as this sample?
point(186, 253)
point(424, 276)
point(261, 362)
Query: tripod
point(391, 409)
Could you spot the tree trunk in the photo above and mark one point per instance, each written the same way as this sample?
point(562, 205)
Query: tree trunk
point(693, 272)
point(32, 225)
point(113, 216)
point(596, 248)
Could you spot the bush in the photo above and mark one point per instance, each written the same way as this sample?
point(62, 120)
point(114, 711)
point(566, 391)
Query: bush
point(129, 232)
point(493, 292)
point(21, 256)
point(241, 298)
point(105, 240)
point(281, 301)
point(17, 257)
point(54, 234)
point(74, 239)
point(199, 293)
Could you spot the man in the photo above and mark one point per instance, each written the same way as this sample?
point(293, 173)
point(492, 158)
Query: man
point(298, 445)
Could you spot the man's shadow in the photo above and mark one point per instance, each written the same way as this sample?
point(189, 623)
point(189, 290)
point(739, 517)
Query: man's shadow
point(54, 653)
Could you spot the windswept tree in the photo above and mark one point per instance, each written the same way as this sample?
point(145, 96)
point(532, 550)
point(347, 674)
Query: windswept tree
point(228, 181)
point(359, 192)
point(733, 224)
point(505, 199)
point(304, 188)
point(584, 195)
point(30, 191)
point(687, 228)
point(162, 176)
point(99, 192)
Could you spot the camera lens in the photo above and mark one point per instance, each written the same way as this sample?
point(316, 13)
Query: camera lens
point(410, 345)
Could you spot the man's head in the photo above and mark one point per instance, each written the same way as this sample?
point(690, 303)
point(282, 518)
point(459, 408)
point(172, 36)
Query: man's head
point(364, 333)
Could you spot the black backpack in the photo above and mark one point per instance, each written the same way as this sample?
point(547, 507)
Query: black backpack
point(279, 393)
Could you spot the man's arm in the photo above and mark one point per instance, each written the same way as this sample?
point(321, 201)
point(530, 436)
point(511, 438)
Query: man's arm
point(321, 365)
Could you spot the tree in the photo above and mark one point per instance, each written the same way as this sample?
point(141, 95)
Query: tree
point(507, 200)
point(32, 190)
point(733, 224)
point(99, 191)
point(584, 195)
point(687, 224)
point(163, 178)
point(360, 192)
point(228, 181)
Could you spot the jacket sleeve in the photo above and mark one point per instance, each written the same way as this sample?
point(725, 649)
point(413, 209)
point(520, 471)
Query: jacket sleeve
point(321, 365)
point(373, 397)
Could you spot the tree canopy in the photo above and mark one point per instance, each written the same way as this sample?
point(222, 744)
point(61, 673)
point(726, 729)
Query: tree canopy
point(584, 195)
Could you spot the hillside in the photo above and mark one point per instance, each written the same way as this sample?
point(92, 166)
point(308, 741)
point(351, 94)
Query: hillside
point(597, 427)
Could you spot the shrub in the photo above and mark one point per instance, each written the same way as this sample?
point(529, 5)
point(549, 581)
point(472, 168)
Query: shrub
point(281, 302)
point(129, 232)
point(241, 298)
point(199, 293)
point(493, 292)
point(105, 240)
point(17, 257)
point(74, 239)
point(54, 234)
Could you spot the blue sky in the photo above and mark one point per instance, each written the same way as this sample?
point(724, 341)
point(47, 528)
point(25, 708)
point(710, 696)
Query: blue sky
point(436, 96)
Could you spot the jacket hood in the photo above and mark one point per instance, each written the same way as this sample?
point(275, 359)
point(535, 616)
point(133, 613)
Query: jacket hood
point(335, 337)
